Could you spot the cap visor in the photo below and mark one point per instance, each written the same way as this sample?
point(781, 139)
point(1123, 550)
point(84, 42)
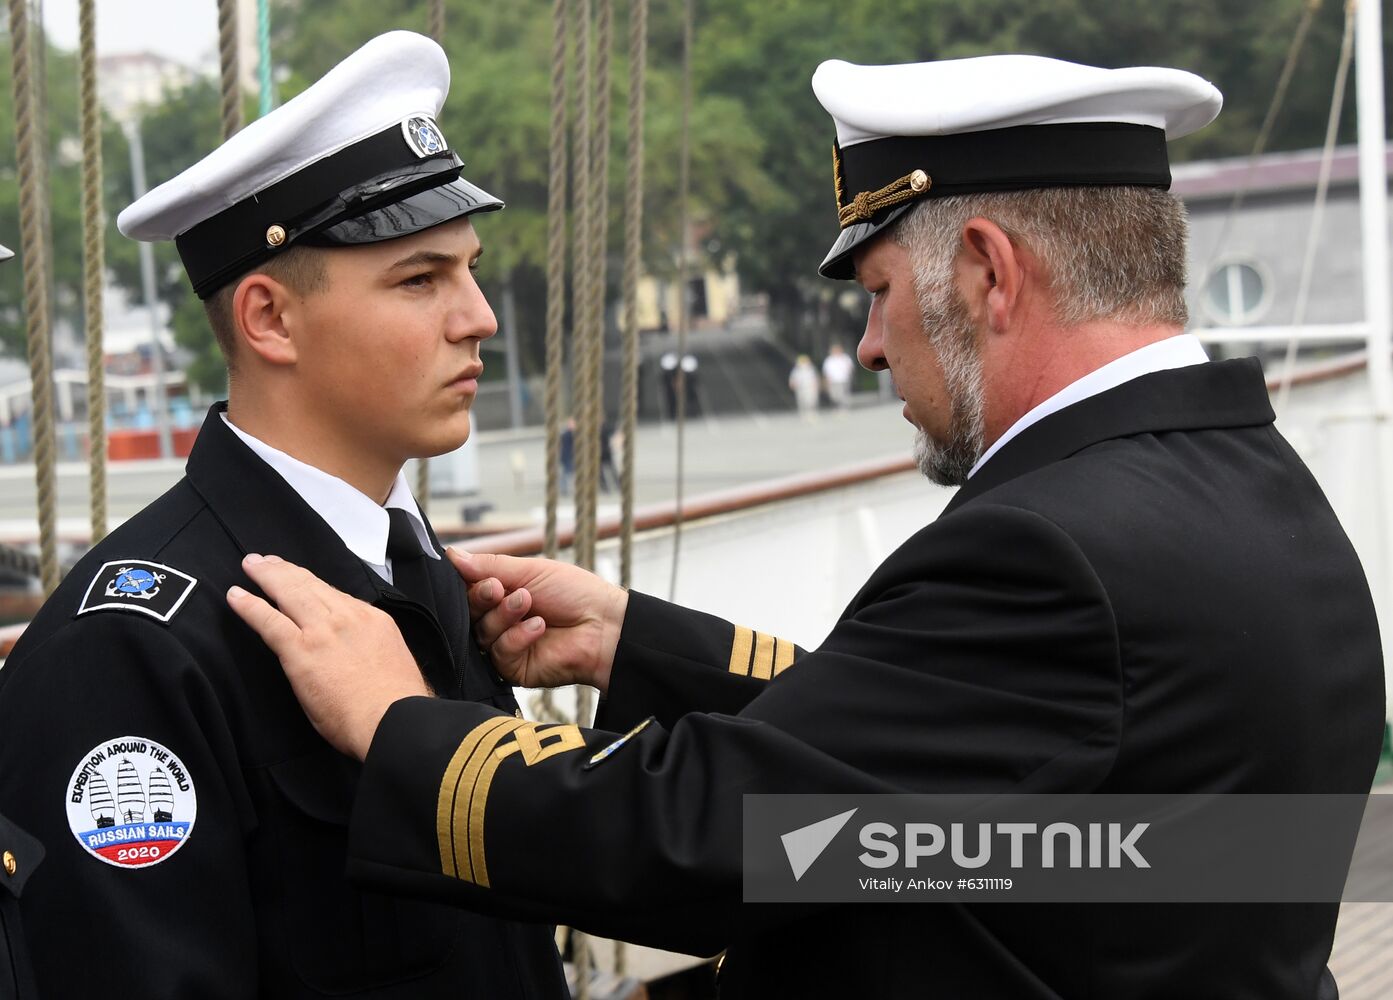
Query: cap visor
point(838, 264)
point(410, 215)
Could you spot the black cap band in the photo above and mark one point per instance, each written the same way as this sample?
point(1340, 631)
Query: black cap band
point(378, 170)
point(1005, 159)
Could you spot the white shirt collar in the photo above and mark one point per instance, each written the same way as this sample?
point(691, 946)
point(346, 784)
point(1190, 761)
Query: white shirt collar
point(1179, 351)
point(354, 516)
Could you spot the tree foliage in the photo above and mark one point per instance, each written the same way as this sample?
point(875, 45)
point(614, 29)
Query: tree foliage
point(761, 185)
point(64, 196)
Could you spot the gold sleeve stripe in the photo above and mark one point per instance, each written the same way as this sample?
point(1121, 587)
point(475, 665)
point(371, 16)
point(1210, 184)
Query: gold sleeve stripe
point(783, 656)
point(478, 760)
point(740, 651)
point(763, 668)
point(449, 792)
point(476, 816)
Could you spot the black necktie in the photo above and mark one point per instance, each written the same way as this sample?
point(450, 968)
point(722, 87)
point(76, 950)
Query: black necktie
point(409, 573)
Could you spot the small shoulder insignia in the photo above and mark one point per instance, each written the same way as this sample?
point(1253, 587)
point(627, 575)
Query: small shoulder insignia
point(134, 585)
point(608, 751)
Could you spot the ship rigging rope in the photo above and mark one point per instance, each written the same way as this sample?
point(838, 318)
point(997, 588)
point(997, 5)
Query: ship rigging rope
point(93, 264)
point(591, 419)
point(437, 21)
point(633, 247)
point(33, 244)
point(556, 281)
point(544, 703)
point(589, 324)
point(1279, 94)
point(229, 63)
point(683, 308)
point(588, 270)
point(580, 244)
point(1308, 263)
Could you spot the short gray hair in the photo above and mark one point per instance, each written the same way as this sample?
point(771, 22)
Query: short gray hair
point(1115, 253)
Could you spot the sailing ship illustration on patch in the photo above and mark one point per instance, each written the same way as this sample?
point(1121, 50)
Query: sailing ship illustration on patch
point(131, 802)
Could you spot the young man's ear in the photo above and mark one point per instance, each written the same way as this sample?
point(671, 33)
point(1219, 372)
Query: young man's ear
point(259, 316)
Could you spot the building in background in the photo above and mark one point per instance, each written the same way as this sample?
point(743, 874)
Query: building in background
point(1245, 262)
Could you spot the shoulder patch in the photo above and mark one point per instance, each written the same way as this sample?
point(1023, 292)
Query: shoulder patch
point(148, 588)
point(131, 802)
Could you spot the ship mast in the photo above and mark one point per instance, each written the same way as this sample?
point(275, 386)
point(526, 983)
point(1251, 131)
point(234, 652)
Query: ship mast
point(1373, 201)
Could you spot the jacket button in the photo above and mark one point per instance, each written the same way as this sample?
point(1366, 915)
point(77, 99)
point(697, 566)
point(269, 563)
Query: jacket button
point(11, 865)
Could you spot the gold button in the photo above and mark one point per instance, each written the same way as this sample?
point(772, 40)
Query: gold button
point(11, 865)
point(275, 236)
point(919, 181)
point(517, 713)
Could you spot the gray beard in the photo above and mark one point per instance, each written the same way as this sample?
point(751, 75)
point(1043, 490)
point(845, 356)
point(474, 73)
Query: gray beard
point(950, 331)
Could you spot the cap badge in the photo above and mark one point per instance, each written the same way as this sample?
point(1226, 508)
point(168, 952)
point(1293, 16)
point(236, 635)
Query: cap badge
point(867, 203)
point(423, 136)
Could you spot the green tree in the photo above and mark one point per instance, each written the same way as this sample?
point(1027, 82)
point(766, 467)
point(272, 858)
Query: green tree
point(64, 198)
point(175, 134)
point(763, 55)
point(761, 184)
point(497, 117)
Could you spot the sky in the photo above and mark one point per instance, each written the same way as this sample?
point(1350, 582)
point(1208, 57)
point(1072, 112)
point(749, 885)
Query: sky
point(183, 30)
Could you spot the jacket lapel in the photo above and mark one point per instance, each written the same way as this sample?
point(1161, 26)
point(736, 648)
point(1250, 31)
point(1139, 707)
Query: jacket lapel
point(1213, 395)
point(264, 514)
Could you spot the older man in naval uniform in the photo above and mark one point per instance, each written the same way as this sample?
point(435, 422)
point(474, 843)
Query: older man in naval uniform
point(196, 824)
point(1137, 588)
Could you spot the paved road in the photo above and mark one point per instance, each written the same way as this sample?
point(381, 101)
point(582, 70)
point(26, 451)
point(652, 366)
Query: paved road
point(720, 453)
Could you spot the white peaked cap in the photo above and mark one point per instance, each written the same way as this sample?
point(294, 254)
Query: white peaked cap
point(995, 123)
point(360, 140)
point(988, 92)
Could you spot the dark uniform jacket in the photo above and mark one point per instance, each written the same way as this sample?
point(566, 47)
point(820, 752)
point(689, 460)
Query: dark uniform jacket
point(1143, 592)
point(247, 823)
point(19, 855)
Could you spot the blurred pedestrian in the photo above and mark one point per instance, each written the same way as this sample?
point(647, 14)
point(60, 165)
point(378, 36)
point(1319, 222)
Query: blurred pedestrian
point(609, 475)
point(668, 364)
point(568, 456)
point(689, 379)
point(837, 370)
point(803, 381)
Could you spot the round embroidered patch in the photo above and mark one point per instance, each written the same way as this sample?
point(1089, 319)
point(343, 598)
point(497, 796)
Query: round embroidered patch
point(131, 802)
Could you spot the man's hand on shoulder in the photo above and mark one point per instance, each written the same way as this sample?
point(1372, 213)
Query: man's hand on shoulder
point(545, 623)
point(345, 659)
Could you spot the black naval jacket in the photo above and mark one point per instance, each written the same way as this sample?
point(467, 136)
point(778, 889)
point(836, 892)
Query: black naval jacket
point(255, 901)
point(1144, 592)
point(20, 854)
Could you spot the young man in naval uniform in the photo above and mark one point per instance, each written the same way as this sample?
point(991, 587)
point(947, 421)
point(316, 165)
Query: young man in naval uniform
point(20, 854)
point(196, 824)
point(1138, 588)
